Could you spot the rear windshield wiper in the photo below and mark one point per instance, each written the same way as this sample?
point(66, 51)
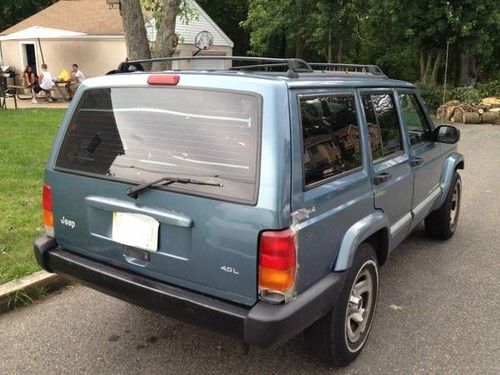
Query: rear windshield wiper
point(134, 191)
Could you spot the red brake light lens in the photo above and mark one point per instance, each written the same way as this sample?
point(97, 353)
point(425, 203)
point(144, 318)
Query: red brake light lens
point(47, 197)
point(164, 79)
point(277, 262)
point(48, 217)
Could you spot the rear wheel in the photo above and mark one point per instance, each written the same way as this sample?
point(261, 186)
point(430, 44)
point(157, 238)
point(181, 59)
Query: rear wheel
point(339, 336)
point(442, 223)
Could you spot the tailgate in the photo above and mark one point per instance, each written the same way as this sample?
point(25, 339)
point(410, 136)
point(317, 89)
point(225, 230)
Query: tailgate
point(202, 237)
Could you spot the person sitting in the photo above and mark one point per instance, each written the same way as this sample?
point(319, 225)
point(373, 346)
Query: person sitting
point(29, 77)
point(45, 83)
point(77, 77)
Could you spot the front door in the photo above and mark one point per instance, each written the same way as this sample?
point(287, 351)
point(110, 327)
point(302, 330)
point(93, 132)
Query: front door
point(424, 154)
point(392, 175)
point(29, 55)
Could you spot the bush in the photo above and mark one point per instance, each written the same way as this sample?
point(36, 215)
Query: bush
point(488, 89)
point(466, 94)
point(431, 94)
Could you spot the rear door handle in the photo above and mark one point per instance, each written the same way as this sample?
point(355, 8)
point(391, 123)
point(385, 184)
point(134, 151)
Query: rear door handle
point(382, 177)
point(416, 161)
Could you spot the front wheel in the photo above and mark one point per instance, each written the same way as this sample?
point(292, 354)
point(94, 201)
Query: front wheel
point(442, 223)
point(339, 336)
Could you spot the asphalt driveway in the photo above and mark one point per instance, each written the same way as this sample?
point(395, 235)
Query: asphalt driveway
point(438, 310)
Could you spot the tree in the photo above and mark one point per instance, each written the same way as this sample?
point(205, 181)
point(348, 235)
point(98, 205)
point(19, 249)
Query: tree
point(11, 12)
point(165, 13)
point(166, 32)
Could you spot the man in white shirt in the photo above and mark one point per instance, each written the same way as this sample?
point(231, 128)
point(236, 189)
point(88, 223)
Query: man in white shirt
point(77, 77)
point(45, 83)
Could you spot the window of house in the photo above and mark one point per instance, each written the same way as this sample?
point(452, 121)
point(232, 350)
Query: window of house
point(383, 125)
point(414, 119)
point(330, 136)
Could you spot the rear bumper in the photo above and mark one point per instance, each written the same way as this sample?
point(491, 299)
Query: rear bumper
point(262, 325)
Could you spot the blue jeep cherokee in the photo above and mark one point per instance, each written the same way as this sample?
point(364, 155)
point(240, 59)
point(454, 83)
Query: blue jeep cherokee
point(258, 200)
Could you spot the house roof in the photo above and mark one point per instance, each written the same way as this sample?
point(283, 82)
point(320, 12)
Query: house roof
point(87, 16)
point(94, 17)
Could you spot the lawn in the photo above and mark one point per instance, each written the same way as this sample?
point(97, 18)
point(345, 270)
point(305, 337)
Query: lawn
point(25, 140)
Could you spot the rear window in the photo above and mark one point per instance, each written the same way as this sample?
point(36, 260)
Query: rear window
point(137, 135)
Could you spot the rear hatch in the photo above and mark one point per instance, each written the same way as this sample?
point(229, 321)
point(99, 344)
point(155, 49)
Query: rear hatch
point(201, 237)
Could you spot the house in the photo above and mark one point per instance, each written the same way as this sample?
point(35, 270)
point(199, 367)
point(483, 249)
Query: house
point(103, 48)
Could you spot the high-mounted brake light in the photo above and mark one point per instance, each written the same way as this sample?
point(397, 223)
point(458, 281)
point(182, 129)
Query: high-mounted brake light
point(277, 265)
point(48, 217)
point(164, 79)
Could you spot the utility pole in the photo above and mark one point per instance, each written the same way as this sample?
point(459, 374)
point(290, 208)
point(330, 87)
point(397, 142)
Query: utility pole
point(446, 69)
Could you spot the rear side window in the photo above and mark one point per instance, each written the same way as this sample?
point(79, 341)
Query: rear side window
point(383, 125)
point(140, 134)
point(330, 136)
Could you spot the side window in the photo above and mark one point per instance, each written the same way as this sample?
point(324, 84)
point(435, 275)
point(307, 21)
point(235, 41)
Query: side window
point(383, 125)
point(415, 122)
point(330, 136)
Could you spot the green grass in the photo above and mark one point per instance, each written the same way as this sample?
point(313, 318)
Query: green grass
point(26, 137)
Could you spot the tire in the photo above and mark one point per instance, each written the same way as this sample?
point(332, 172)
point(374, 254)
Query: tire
point(329, 338)
point(442, 223)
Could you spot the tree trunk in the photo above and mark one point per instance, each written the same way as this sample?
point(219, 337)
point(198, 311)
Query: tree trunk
point(422, 65)
point(435, 69)
point(425, 77)
point(135, 32)
point(339, 51)
point(468, 68)
point(330, 46)
point(166, 41)
point(299, 46)
point(471, 118)
point(491, 117)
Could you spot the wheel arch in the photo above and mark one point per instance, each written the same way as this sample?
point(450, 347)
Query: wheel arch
point(453, 162)
point(373, 229)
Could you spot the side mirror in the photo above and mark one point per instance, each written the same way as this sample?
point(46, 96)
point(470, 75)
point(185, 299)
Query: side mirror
point(446, 134)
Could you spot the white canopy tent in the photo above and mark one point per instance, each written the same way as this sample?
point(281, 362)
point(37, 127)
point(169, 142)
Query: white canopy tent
point(40, 32)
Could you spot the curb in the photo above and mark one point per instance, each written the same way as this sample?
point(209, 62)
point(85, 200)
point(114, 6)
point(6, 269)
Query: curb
point(28, 288)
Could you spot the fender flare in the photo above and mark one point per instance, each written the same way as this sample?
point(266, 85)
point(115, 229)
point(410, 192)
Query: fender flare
point(356, 234)
point(454, 161)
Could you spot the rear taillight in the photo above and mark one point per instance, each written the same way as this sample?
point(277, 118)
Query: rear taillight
point(277, 265)
point(48, 217)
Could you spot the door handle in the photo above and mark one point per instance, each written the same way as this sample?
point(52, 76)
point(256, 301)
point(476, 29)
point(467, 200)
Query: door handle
point(382, 177)
point(416, 161)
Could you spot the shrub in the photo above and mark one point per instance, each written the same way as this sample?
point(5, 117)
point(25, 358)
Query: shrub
point(488, 89)
point(431, 94)
point(466, 94)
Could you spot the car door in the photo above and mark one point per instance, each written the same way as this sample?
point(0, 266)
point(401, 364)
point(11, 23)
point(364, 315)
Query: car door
point(331, 187)
point(392, 178)
point(424, 154)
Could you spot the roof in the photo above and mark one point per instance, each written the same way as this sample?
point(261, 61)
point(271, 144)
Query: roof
point(94, 17)
point(87, 16)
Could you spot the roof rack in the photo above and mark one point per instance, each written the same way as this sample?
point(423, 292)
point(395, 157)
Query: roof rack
point(292, 66)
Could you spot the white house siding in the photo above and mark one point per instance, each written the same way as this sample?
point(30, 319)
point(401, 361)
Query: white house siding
point(94, 56)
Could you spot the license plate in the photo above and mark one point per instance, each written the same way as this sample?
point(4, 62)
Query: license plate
point(135, 230)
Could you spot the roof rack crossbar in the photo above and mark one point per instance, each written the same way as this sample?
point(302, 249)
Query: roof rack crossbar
point(338, 67)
